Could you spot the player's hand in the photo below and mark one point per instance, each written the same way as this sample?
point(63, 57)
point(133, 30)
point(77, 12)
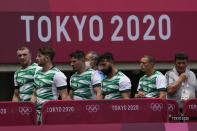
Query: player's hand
point(183, 76)
point(141, 94)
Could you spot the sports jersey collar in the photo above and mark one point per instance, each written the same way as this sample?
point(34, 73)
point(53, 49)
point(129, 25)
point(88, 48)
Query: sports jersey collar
point(27, 67)
point(83, 72)
point(112, 76)
point(150, 77)
point(49, 69)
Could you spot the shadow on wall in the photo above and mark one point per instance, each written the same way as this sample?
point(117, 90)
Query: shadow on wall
point(7, 86)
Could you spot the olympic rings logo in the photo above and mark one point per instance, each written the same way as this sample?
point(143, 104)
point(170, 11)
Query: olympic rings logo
point(24, 110)
point(92, 108)
point(171, 107)
point(156, 106)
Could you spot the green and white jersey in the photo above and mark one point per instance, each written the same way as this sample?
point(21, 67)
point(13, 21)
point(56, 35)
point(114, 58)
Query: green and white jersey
point(82, 84)
point(113, 87)
point(24, 81)
point(152, 85)
point(47, 84)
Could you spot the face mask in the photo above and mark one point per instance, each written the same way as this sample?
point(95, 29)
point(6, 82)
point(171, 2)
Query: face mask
point(88, 64)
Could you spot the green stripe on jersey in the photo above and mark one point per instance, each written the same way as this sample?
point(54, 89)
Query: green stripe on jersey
point(81, 85)
point(148, 85)
point(110, 87)
point(24, 79)
point(45, 86)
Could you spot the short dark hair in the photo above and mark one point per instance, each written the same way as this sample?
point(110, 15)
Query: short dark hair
point(150, 58)
point(107, 55)
point(180, 56)
point(24, 47)
point(47, 50)
point(78, 54)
